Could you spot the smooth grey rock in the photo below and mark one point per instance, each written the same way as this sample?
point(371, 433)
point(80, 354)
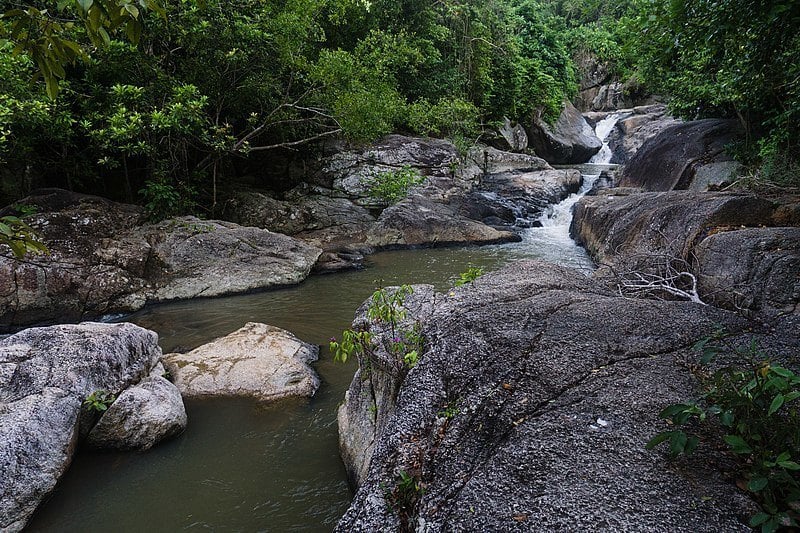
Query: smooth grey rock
point(258, 360)
point(554, 386)
point(609, 97)
point(420, 221)
point(713, 176)
point(570, 140)
point(141, 417)
point(630, 133)
point(212, 258)
point(510, 136)
point(724, 239)
point(670, 159)
point(45, 375)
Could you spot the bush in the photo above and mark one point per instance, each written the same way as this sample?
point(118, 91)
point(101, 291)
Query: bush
point(754, 401)
point(392, 186)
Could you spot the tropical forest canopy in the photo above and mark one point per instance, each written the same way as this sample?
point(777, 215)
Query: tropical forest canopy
point(162, 101)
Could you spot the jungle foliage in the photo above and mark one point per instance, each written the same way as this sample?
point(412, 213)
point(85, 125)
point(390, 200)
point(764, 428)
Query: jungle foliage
point(163, 102)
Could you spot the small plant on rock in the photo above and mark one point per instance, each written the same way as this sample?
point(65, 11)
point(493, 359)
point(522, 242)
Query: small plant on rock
point(99, 400)
point(404, 496)
point(471, 274)
point(385, 308)
point(392, 186)
point(754, 401)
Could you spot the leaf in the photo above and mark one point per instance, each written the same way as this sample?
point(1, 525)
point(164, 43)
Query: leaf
point(776, 404)
point(789, 465)
point(677, 443)
point(737, 444)
point(691, 445)
point(658, 439)
point(757, 484)
point(783, 372)
point(758, 519)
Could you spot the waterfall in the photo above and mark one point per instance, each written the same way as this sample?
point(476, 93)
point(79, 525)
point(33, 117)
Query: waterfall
point(551, 241)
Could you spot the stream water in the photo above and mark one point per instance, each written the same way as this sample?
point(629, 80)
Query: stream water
point(242, 466)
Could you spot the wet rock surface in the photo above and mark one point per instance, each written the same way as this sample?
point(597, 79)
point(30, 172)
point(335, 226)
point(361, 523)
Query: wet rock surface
point(530, 408)
point(45, 375)
point(258, 360)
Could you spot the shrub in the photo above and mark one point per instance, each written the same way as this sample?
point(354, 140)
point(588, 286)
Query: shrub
point(754, 402)
point(392, 186)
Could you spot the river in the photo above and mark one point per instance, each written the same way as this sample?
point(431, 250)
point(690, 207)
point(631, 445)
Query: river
point(242, 466)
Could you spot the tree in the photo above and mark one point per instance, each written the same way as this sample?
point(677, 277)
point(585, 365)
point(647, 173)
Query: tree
point(47, 31)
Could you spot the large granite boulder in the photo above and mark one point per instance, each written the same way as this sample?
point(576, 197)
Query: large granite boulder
point(751, 268)
point(213, 258)
point(570, 140)
point(530, 409)
point(45, 376)
point(420, 221)
point(509, 136)
point(105, 259)
point(675, 156)
point(727, 241)
point(349, 172)
point(631, 132)
point(258, 361)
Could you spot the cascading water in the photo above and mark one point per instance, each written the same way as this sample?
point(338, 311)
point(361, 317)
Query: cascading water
point(552, 240)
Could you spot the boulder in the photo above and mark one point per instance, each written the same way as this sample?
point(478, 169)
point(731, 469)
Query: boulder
point(631, 132)
point(258, 361)
point(609, 98)
point(45, 375)
point(349, 172)
point(725, 240)
point(420, 221)
point(142, 416)
point(510, 137)
point(671, 159)
point(532, 192)
point(104, 259)
point(570, 140)
point(213, 258)
point(530, 409)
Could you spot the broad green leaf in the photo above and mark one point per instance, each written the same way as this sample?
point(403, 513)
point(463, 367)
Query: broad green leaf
point(737, 444)
point(758, 519)
point(658, 439)
point(789, 465)
point(776, 404)
point(677, 443)
point(757, 484)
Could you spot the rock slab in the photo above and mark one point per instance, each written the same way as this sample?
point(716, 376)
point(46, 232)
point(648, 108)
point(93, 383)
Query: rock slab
point(530, 409)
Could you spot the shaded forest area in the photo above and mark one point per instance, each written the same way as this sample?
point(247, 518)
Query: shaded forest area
point(165, 105)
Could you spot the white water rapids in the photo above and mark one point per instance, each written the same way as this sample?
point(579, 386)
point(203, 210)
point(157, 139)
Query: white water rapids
point(551, 241)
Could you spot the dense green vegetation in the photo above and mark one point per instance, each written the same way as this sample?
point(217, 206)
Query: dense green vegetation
point(164, 104)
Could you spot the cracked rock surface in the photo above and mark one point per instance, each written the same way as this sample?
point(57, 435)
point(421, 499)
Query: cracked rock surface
point(258, 360)
point(529, 409)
